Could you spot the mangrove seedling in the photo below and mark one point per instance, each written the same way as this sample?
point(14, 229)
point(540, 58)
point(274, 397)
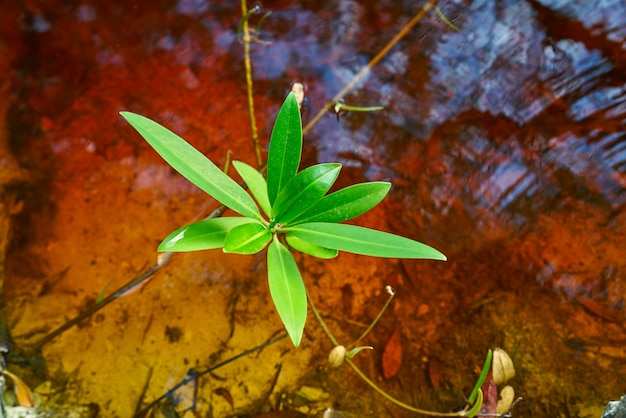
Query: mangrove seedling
point(292, 211)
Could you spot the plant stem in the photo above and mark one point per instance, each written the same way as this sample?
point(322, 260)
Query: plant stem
point(358, 371)
point(398, 402)
point(373, 62)
point(375, 321)
point(317, 315)
point(248, 65)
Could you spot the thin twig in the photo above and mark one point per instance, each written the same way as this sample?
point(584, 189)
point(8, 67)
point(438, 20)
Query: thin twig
point(248, 65)
point(357, 78)
point(136, 281)
point(95, 308)
point(193, 374)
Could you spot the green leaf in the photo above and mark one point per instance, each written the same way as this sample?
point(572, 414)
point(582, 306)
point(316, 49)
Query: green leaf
point(256, 183)
point(247, 238)
point(194, 166)
point(285, 147)
point(346, 203)
point(306, 188)
point(287, 289)
point(481, 378)
point(356, 350)
point(474, 410)
point(204, 235)
point(365, 241)
point(310, 249)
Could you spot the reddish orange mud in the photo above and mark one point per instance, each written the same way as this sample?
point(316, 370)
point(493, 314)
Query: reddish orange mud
point(503, 142)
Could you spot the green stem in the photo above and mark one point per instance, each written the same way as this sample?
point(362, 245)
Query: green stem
point(445, 19)
point(380, 314)
point(339, 106)
point(358, 371)
point(248, 65)
point(398, 402)
point(317, 315)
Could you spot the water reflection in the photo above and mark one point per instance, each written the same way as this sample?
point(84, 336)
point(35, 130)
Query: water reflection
point(504, 141)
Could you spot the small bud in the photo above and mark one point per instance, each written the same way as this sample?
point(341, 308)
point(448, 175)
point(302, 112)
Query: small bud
point(163, 258)
point(507, 394)
point(336, 356)
point(502, 369)
point(298, 89)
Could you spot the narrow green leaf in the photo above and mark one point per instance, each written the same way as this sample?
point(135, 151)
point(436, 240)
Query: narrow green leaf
point(194, 166)
point(365, 241)
point(248, 238)
point(482, 377)
point(102, 293)
point(310, 249)
point(346, 203)
point(256, 183)
point(285, 148)
point(306, 188)
point(203, 235)
point(356, 350)
point(479, 404)
point(287, 289)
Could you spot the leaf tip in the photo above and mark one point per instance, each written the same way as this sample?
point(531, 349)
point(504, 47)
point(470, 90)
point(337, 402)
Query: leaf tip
point(296, 338)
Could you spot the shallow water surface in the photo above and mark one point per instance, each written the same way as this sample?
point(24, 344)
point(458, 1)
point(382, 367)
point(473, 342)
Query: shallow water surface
point(504, 141)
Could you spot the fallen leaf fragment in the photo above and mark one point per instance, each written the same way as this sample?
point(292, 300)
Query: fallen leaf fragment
point(434, 372)
point(392, 355)
point(600, 310)
point(22, 391)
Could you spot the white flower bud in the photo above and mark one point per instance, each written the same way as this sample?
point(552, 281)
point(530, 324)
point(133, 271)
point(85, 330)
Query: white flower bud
point(336, 356)
point(502, 368)
point(298, 89)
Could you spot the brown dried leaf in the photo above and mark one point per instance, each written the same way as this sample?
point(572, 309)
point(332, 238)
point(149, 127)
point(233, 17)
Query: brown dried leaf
point(600, 310)
point(392, 355)
point(434, 372)
point(224, 393)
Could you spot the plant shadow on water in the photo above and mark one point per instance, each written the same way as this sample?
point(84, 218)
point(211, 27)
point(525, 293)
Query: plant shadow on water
point(504, 142)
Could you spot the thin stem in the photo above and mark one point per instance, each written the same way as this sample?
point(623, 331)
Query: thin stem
point(317, 315)
point(357, 78)
point(358, 371)
point(248, 65)
point(398, 402)
point(380, 314)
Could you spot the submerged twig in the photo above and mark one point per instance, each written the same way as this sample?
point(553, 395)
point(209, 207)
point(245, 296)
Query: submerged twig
point(357, 78)
point(193, 374)
point(162, 260)
point(101, 304)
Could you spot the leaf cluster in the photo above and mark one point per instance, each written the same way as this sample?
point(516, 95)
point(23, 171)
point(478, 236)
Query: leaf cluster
point(290, 210)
